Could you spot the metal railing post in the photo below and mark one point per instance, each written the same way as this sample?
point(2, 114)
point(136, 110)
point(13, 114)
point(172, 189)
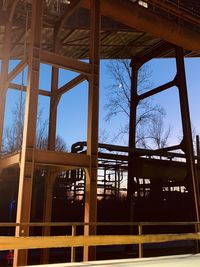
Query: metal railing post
point(140, 244)
point(73, 249)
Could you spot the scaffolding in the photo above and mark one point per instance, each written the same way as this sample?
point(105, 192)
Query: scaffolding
point(62, 34)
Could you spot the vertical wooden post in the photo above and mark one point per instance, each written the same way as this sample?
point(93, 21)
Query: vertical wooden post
point(187, 133)
point(50, 177)
point(140, 247)
point(132, 137)
point(92, 138)
point(3, 76)
point(49, 181)
point(29, 135)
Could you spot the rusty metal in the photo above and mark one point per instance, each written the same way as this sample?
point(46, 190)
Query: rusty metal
point(177, 10)
point(132, 35)
point(142, 19)
point(187, 132)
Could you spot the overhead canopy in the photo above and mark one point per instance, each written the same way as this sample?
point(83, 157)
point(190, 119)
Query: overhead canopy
point(128, 28)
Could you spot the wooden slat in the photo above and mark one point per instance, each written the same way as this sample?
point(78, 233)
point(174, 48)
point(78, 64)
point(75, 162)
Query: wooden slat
point(7, 243)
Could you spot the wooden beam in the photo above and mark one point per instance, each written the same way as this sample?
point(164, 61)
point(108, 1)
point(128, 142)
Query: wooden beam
point(51, 174)
point(19, 68)
point(57, 60)
point(29, 133)
point(71, 84)
point(144, 20)
point(23, 88)
point(9, 160)
point(89, 253)
point(4, 75)
point(48, 158)
point(7, 242)
point(54, 158)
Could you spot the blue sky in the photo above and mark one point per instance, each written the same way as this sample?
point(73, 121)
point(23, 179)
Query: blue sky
point(72, 109)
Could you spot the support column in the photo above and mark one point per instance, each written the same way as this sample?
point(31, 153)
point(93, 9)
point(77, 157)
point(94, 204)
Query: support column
point(92, 138)
point(132, 136)
point(29, 135)
point(4, 75)
point(50, 177)
point(187, 133)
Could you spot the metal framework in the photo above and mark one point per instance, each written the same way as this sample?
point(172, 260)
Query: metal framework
point(163, 29)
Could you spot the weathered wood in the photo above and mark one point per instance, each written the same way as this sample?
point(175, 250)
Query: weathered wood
point(92, 129)
point(57, 60)
point(29, 133)
point(7, 242)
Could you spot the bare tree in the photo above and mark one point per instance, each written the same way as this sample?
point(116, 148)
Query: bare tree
point(13, 135)
point(150, 117)
point(157, 133)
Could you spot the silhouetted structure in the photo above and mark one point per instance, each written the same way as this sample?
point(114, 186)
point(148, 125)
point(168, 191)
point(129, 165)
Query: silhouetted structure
point(61, 33)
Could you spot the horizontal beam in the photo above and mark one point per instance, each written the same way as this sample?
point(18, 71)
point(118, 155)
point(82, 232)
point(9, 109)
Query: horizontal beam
point(23, 88)
point(61, 159)
point(7, 243)
point(9, 160)
point(144, 20)
point(60, 61)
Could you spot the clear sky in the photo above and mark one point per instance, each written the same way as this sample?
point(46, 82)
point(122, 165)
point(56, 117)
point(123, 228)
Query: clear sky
point(72, 109)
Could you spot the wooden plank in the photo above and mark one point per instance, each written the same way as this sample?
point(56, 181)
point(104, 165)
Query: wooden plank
point(9, 160)
point(57, 60)
point(54, 158)
point(7, 242)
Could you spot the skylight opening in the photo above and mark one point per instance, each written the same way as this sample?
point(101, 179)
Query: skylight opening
point(143, 4)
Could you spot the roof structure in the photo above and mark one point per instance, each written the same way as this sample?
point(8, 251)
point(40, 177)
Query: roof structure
point(121, 36)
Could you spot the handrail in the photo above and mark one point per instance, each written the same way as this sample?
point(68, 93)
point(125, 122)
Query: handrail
point(52, 224)
point(73, 240)
point(36, 242)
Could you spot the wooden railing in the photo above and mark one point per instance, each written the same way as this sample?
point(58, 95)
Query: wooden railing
point(73, 240)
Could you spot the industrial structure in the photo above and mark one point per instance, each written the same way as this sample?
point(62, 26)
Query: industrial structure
point(75, 35)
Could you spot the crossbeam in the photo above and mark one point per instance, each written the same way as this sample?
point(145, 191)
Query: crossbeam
point(20, 87)
point(9, 160)
point(8, 242)
point(66, 63)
